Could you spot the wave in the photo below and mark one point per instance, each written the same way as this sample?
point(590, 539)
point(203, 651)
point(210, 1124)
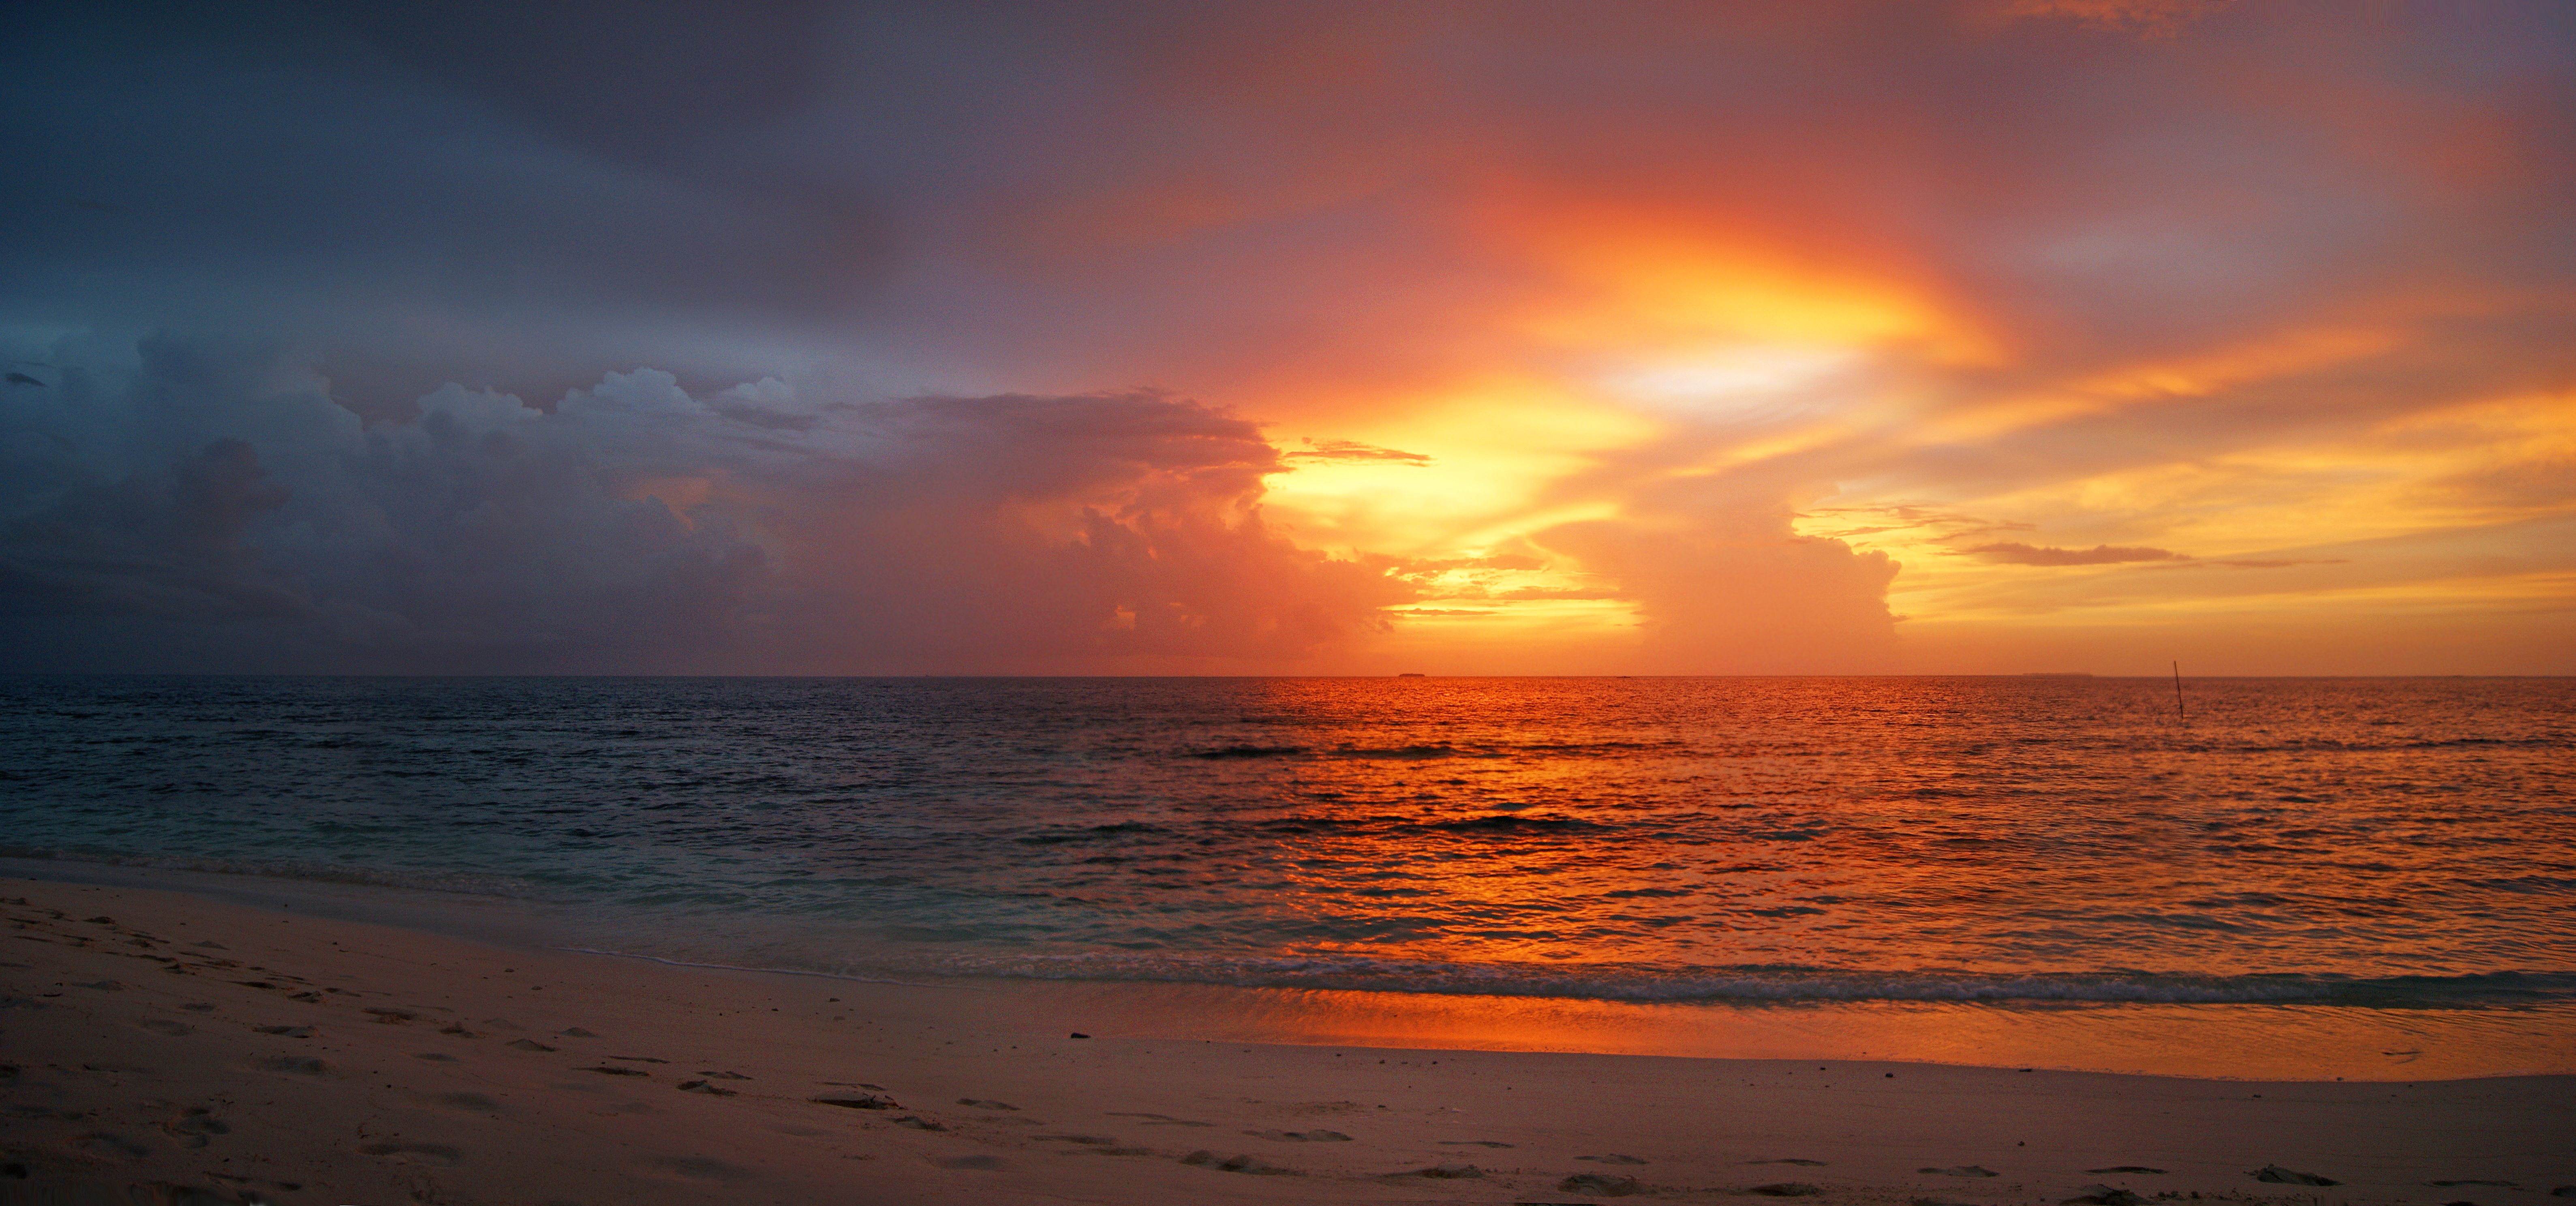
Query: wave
point(456, 882)
point(1512, 823)
point(1249, 751)
point(1586, 749)
point(1088, 833)
point(1780, 983)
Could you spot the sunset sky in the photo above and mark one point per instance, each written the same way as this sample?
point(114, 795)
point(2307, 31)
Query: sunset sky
point(1987, 336)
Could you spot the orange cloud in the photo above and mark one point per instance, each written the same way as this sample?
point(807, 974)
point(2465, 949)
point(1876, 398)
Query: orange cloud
point(1646, 282)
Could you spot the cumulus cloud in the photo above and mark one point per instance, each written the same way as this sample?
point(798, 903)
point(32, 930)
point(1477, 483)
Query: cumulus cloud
point(2208, 258)
point(196, 506)
point(1766, 603)
point(1723, 585)
point(163, 544)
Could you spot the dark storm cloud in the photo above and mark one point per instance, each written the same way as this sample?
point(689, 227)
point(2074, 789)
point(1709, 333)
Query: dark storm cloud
point(2064, 239)
point(516, 193)
point(417, 192)
point(165, 545)
point(207, 507)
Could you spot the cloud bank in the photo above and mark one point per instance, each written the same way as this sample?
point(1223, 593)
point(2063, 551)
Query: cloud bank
point(1731, 328)
point(208, 507)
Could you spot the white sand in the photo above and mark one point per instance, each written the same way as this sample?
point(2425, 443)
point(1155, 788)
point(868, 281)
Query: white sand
point(137, 1058)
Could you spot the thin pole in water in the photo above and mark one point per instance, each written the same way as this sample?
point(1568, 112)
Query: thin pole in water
point(2178, 693)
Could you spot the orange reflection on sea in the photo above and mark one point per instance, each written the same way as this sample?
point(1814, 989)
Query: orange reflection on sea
point(2230, 1041)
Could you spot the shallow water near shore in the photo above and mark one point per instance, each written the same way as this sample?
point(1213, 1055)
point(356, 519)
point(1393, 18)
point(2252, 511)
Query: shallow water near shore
point(2232, 1041)
point(2364, 878)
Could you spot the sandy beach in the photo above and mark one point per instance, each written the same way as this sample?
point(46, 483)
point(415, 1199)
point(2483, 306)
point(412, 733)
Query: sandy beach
point(167, 1044)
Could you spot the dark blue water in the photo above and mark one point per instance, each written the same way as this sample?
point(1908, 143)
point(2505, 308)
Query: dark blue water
point(2384, 843)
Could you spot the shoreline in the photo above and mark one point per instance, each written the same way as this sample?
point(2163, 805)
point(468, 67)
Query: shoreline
point(231, 1048)
point(2296, 1040)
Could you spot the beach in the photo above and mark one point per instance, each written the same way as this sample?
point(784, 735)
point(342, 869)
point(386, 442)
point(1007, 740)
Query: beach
point(167, 1043)
point(1873, 603)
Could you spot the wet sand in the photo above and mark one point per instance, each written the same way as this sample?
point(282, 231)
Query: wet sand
point(175, 1042)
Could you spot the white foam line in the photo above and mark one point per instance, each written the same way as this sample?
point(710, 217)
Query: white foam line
point(768, 971)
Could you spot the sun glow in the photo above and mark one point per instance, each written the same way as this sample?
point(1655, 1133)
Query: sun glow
point(1659, 285)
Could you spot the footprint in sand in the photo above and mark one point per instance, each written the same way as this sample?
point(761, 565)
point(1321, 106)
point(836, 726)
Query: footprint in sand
point(1252, 1166)
point(985, 1104)
point(701, 1168)
point(723, 1075)
point(195, 1127)
point(2141, 1168)
point(864, 1101)
point(1962, 1170)
point(700, 1086)
point(1444, 1172)
point(289, 1063)
point(529, 1045)
point(166, 1026)
point(1612, 1158)
point(287, 1031)
point(474, 1102)
point(390, 1017)
point(1471, 1143)
point(973, 1163)
point(1091, 1139)
point(1600, 1185)
point(918, 1123)
point(108, 1143)
point(1792, 1160)
point(437, 1057)
point(1159, 1119)
point(2104, 1195)
point(575, 1032)
point(416, 1153)
point(1318, 1136)
point(1787, 1189)
point(2498, 1184)
point(605, 1070)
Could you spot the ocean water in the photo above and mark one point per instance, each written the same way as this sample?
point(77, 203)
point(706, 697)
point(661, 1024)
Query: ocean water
point(2403, 846)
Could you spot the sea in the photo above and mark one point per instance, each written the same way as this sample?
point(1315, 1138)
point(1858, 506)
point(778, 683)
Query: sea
point(2370, 878)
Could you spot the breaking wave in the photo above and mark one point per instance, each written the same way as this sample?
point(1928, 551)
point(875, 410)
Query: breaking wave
point(1784, 984)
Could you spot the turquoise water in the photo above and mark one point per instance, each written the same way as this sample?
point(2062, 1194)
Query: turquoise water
point(2025, 843)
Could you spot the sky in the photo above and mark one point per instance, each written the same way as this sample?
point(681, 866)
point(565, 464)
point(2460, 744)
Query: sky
point(1947, 336)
